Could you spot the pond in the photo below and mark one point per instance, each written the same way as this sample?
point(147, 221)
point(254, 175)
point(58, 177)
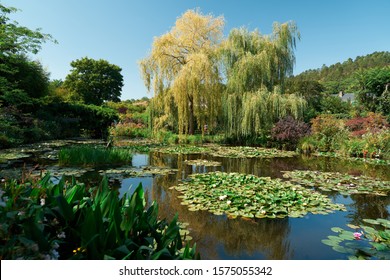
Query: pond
point(218, 237)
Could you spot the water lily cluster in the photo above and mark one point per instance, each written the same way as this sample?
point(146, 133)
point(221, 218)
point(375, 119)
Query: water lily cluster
point(343, 183)
point(370, 240)
point(227, 151)
point(249, 196)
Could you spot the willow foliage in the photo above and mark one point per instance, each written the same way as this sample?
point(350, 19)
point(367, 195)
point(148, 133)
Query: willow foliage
point(252, 114)
point(183, 64)
point(253, 60)
point(256, 67)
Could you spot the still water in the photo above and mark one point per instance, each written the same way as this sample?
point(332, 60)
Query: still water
point(218, 237)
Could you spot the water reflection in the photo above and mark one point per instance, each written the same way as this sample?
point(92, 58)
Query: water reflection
point(220, 238)
point(234, 238)
point(368, 207)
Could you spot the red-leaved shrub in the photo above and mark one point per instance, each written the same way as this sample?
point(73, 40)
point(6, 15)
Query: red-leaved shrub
point(288, 131)
point(373, 123)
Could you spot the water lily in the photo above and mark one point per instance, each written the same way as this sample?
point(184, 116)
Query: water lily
point(357, 235)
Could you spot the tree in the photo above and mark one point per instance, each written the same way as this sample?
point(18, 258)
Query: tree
point(94, 81)
point(17, 72)
point(183, 66)
point(253, 60)
point(15, 39)
point(256, 68)
point(372, 85)
point(311, 90)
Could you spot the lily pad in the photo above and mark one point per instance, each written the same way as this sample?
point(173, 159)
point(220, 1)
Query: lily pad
point(182, 149)
point(368, 243)
point(248, 152)
point(249, 196)
point(202, 162)
point(343, 183)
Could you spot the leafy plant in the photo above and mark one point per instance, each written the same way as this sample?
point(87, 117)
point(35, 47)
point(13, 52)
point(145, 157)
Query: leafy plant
point(288, 131)
point(43, 220)
point(93, 156)
point(366, 242)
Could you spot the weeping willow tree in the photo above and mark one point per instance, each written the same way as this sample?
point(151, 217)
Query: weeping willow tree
point(252, 114)
point(256, 68)
point(183, 67)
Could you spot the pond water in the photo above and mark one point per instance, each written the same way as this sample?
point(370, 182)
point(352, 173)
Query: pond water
point(218, 237)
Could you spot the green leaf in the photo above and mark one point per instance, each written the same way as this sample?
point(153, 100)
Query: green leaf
point(371, 221)
point(64, 208)
point(330, 242)
point(380, 246)
point(337, 229)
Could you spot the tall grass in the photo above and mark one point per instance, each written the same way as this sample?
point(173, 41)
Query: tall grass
point(93, 156)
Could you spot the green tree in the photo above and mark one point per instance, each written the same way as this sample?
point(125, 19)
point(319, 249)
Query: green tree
point(311, 90)
point(94, 81)
point(256, 68)
point(183, 68)
point(17, 73)
point(253, 60)
point(372, 85)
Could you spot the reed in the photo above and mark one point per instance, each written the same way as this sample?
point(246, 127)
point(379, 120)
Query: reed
point(93, 156)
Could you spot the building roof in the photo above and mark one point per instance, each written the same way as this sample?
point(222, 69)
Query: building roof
point(347, 97)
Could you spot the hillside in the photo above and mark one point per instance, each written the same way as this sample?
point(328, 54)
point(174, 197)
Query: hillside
point(341, 71)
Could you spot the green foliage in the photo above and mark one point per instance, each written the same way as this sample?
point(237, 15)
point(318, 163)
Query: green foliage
point(93, 156)
point(367, 242)
point(247, 152)
point(343, 183)
point(17, 39)
point(183, 71)
point(341, 76)
point(334, 105)
point(17, 72)
point(95, 81)
point(129, 130)
point(250, 116)
point(253, 60)
point(312, 91)
point(182, 149)
point(42, 220)
point(372, 84)
point(250, 196)
point(328, 131)
point(166, 137)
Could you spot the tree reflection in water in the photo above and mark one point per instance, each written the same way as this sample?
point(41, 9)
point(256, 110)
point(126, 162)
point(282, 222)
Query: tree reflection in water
point(237, 236)
point(218, 237)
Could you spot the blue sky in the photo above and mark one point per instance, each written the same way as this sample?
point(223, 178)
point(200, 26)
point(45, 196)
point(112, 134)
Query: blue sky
point(122, 31)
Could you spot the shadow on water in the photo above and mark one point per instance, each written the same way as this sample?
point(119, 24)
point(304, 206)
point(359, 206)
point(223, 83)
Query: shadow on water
point(218, 237)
